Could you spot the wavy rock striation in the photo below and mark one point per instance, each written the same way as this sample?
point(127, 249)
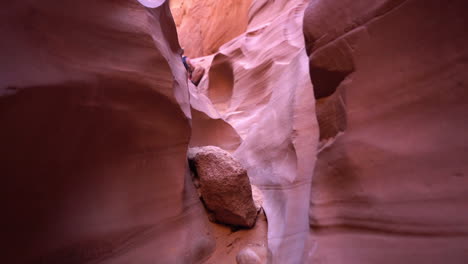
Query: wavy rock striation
point(97, 115)
point(393, 187)
point(259, 84)
point(204, 26)
point(95, 128)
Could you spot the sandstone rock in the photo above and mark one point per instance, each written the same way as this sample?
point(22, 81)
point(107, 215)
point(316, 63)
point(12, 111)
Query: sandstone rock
point(94, 118)
point(259, 84)
point(391, 188)
point(197, 74)
point(257, 197)
point(248, 256)
point(208, 127)
point(224, 186)
point(96, 122)
point(204, 26)
point(253, 254)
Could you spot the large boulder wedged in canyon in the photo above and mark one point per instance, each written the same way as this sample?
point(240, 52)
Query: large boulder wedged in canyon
point(95, 115)
point(393, 187)
point(259, 84)
point(224, 186)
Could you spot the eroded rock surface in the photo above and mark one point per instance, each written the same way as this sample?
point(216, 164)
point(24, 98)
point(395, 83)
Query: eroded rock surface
point(259, 85)
point(197, 74)
point(257, 197)
point(204, 26)
point(224, 186)
point(249, 256)
point(229, 244)
point(393, 187)
point(94, 116)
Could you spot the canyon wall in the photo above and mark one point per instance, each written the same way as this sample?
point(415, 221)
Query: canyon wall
point(204, 26)
point(95, 124)
point(392, 103)
point(350, 117)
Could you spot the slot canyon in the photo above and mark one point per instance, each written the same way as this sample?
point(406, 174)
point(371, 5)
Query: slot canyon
point(294, 132)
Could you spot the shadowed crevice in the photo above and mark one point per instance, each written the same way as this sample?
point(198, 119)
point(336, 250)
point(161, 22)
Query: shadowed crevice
point(326, 81)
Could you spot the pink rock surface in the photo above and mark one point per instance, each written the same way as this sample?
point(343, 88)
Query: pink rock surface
point(95, 128)
point(97, 115)
point(259, 84)
point(393, 187)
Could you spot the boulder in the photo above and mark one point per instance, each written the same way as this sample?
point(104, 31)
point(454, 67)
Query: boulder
point(224, 186)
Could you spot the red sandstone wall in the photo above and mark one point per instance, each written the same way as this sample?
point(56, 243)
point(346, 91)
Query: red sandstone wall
point(391, 75)
point(94, 131)
point(204, 26)
point(95, 120)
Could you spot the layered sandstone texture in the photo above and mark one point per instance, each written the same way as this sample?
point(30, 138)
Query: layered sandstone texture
point(390, 78)
point(97, 115)
point(204, 26)
point(94, 115)
point(258, 100)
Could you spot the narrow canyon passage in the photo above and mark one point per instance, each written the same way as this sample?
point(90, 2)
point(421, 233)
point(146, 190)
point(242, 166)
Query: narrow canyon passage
point(345, 119)
point(257, 88)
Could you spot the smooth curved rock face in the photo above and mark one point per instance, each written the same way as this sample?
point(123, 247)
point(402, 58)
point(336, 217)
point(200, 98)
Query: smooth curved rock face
point(393, 187)
point(221, 82)
point(204, 26)
point(261, 88)
point(208, 127)
point(95, 128)
point(224, 186)
point(248, 256)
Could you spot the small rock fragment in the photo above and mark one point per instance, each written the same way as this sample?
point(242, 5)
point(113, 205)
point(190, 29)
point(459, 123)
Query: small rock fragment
point(248, 256)
point(257, 197)
point(197, 74)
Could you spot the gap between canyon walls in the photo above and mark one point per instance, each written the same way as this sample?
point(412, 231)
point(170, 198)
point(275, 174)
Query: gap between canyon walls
point(258, 85)
point(203, 26)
